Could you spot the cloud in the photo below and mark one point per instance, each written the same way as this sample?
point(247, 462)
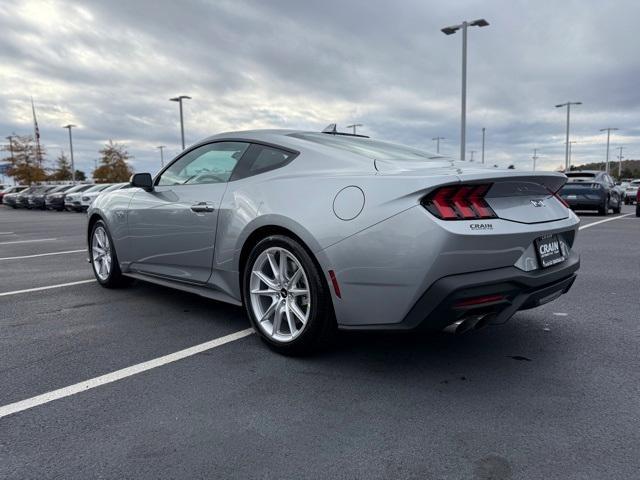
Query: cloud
point(111, 66)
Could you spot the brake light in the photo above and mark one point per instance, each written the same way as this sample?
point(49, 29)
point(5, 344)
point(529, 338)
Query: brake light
point(559, 198)
point(459, 202)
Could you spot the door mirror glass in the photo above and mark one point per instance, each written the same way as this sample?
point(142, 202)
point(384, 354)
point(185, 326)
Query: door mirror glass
point(142, 180)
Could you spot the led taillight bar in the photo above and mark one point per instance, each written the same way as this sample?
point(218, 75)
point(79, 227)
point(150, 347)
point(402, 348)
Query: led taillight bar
point(459, 202)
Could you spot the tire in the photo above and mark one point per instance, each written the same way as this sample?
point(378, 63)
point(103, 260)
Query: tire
point(304, 322)
point(604, 210)
point(101, 249)
point(637, 210)
point(618, 208)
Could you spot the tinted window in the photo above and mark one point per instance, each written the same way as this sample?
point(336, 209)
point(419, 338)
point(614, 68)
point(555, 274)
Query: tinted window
point(211, 163)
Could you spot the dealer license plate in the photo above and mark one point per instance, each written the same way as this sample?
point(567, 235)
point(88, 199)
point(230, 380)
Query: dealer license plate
point(549, 250)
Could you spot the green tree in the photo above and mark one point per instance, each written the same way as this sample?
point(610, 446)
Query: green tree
point(24, 165)
point(62, 170)
point(80, 176)
point(113, 164)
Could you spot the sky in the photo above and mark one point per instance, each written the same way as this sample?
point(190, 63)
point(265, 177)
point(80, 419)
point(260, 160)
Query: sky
point(111, 66)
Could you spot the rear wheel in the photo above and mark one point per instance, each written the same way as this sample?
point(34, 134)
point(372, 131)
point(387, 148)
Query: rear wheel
point(604, 210)
point(286, 298)
point(103, 257)
point(618, 207)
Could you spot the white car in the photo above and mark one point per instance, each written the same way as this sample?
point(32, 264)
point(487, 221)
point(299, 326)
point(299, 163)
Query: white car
point(73, 201)
point(87, 198)
point(631, 192)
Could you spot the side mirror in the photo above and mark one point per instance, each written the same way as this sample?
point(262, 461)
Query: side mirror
point(142, 180)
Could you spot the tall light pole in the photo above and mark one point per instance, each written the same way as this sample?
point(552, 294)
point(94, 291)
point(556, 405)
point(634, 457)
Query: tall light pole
point(450, 31)
point(566, 150)
point(73, 167)
point(354, 126)
point(10, 138)
point(472, 152)
point(535, 157)
point(608, 130)
point(437, 140)
point(161, 148)
point(179, 100)
point(483, 131)
point(620, 157)
point(569, 165)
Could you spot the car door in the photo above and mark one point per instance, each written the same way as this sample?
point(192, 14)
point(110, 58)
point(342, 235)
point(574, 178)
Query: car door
point(172, 229)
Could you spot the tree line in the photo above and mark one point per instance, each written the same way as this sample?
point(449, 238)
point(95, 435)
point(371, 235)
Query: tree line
point(27, 165)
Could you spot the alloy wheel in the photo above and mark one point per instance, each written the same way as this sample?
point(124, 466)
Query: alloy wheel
point(101, 253)
point(279, 294)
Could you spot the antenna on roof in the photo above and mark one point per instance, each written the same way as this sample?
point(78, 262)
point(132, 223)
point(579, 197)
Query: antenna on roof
point(331, 128)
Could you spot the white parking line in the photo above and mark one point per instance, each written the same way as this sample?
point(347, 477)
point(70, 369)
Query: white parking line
point(49, 287)
point(43, 254)
point(603, 221)
point(120, 374)
point(29, 241)
point(6, 233)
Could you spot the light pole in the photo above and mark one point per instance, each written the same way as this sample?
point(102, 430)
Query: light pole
point(483, 131)
point(161, 148)
point(620, 157)
point(450, 31)
point(569, 164)
point(10, 138)
point(73, 167)
point(472, 152)
point(437, 140)
point(354, 126)
point(608, 130)
point(535, 157)
point(566, 150)
point(179, 100)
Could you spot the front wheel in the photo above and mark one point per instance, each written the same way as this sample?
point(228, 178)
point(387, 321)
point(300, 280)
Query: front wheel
point(103, 257)
point(286, 298)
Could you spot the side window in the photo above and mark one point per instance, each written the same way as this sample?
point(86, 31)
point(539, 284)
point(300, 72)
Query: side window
point(212, 163)
point(261, 158)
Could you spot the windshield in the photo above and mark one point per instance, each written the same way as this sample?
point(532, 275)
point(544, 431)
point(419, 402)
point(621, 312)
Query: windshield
point(367, 147)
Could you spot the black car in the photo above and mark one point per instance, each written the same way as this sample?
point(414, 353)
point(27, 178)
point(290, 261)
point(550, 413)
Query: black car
point(55, 200)
point(22, 199)
point(591, 190)
point(37, 200)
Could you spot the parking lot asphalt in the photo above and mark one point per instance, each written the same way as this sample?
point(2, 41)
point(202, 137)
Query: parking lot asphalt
point(554, 393)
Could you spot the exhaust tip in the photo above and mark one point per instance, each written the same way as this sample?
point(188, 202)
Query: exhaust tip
point(472, 322)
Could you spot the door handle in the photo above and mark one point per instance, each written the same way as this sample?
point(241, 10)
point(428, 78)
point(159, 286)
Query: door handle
point(202, 207)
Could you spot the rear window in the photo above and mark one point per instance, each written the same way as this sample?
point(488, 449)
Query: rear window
point(373, 149)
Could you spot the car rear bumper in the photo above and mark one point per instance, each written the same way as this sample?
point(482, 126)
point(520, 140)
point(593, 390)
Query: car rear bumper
point(452, 298)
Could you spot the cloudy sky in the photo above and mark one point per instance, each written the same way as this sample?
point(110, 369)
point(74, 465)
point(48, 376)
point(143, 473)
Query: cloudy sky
point(110, 67)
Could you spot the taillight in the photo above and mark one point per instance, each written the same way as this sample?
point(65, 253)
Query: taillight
point(559, 198)
point(459, 202)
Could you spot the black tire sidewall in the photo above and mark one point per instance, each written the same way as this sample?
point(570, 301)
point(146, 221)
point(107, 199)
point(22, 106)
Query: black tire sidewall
point(115, 276)
point(320, 321)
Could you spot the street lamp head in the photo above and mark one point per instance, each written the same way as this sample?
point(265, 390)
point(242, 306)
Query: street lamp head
point(450, 30)
point(69, 126)
point(180, 97)
point(481, 22)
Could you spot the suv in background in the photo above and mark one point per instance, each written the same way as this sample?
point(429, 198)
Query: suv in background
point(591, 190)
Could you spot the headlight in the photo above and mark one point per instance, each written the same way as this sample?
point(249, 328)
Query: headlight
point(86, 199)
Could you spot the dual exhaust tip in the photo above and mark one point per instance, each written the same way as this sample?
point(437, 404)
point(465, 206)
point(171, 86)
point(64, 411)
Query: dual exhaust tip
point(471, 322)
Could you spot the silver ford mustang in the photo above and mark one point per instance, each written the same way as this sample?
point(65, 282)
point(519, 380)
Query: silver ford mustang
point(313, 231)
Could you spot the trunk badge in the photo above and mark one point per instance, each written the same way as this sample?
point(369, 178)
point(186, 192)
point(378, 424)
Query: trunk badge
point(537, 203)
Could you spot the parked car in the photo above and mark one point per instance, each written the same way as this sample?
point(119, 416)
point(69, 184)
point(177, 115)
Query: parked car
point(22, 199)
point(37, 199)
point(56, 200)
point(10, 190)
point(90, 195)
point(631, 192)
point(317, 230)
point(73, 201)
point(637, 209)
point(591, 190)
point(11, 199)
